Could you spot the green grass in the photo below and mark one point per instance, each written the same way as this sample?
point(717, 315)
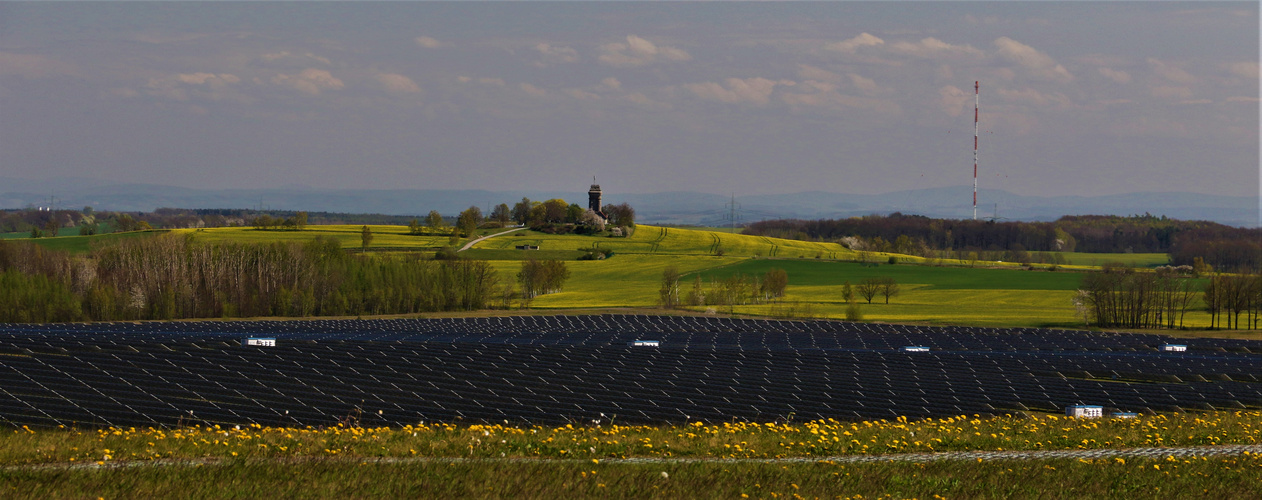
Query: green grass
point(1234, 477)
point(384, 237)
point(674, 241)
point(823, 273)
point(82, 244)
point(1130, 259)
point(485, 461)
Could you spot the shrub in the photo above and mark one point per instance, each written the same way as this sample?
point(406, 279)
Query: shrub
point(853, 313)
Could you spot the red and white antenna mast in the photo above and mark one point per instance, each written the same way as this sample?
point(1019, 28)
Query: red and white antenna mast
point(977, 86)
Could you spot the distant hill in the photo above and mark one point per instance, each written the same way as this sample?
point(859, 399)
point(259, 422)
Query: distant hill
point(678, 207)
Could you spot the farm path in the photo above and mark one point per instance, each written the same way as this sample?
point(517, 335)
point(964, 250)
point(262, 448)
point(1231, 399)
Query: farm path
point(970, 456)
point(474, 242)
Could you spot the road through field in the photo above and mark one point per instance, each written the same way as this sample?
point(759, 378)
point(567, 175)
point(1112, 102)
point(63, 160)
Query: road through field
point(968, 456)
point(474, 242)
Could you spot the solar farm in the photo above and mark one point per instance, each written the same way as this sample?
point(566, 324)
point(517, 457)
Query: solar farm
point(550, 370)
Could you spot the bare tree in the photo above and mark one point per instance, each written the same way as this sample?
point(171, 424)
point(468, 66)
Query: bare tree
point(869, 288)
point(889, 288)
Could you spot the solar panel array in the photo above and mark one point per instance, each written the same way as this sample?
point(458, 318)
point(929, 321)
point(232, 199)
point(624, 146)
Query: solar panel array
point(558, 369)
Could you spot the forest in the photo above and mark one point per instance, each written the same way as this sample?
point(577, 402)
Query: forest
point(170, 277)
point(1225, 248)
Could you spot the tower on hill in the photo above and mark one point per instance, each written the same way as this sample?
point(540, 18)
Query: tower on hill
point(593, 199)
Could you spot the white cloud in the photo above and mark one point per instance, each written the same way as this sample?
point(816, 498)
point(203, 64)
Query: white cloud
point(430, 42)
point(183, 86)
point(310, 81)
point(1118, 76)
point(581, 95)
point(864, 84)
point(1170, 72)
point(286, 56)
point(933, 48)
point(1172, 92)
point(398, 83)
point(808, 72)
point(532, 90)
point(555, 55)
point(756, 91)
point(952, 100)
point(638, 52)
point(853, 44)
point(1033, 97)
point(1037, 63)
point(1247, 69)
point(612, 83)
point(32, 65)
point(497, 82)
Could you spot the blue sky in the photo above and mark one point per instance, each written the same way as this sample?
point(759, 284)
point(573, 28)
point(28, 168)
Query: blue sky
point(750, 98)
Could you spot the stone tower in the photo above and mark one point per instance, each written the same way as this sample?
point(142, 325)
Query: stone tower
point(593, 199)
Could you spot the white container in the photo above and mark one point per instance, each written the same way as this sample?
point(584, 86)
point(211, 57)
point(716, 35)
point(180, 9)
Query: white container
point(1084, 411)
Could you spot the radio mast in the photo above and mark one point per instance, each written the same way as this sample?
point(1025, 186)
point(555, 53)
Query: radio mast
point(977, 86)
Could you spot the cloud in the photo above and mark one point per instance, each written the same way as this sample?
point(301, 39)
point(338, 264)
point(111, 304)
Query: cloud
point(496, 82)
point(32, 65)
point(430, 42)
point(556, 55)
point(300, 59)
point(853, 44)
point(398, 83)
point(1037, 63)
point(612, 83)
point(581, 95)
point(638, 52)
point(1033, 97)
point(808, 72)
point(1172, 92)
point(933, 48)
point(310, 81)
point(1118, 76)
point(1247, 69)
point(1170, 72)
point(532, 90)
point(756, 91)
point(952, 100)
point(866, 85)
point(183, 86)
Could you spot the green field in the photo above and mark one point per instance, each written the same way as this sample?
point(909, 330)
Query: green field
point(991, 294)
point(717, 460)
point(1130, 259)
point(81, 244)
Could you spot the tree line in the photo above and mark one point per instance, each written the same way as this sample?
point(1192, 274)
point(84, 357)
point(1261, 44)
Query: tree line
point(1223, 247)
point(170, 277)
point(1119, 296)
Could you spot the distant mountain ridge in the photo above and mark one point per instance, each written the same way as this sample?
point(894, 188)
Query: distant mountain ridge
point(675, 207)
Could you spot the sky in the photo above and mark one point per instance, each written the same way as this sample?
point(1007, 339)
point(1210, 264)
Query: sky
point(1076, 98)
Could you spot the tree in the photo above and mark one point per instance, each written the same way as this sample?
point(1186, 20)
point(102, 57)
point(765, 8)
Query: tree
point(501, 214)
point(434, 221)
point(869, 288)
point(469, 220)
point(847, 293)
point(555, 210)
point(620, 215)
point(889, 288)
point(301, 220)
point(521, 211)
point(573, 213)
point(592, 220)
point(774, 282)
point(668, 295)
point(414, 227)
point(365, 238)
point(541, 277)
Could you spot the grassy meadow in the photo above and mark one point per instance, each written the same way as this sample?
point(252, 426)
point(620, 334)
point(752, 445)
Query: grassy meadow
point(724, 460)
point(931, 291)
